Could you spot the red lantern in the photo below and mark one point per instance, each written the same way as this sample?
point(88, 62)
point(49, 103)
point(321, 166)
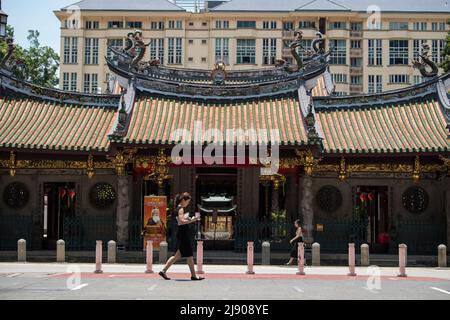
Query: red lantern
point(62, 192)
point(363, 197)
point(71, 194)
point(371, 196)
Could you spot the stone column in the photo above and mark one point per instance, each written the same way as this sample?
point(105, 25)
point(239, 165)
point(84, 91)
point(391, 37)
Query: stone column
point(275, 196)
point(447, 210)
point(123, 210)
point(306, 207)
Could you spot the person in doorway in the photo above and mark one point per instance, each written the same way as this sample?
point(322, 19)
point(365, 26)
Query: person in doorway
point(295, 241)
point(184, 247)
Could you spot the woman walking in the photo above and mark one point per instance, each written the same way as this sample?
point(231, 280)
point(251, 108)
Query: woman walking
point(295, 241)
point(184, 247)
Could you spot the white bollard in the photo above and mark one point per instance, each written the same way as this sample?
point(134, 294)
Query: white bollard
point(112, 251)
point(402, 259)
point(60, 251)
point(365, 260)
point(149, 256)
point(442, 256)
point(316, 254)
point(351, 260)
point(22, 250)
point(265, 253)
point(301, 259)
point(163, 247)
point(200, 257)
point(250, 258)
point(98, 257)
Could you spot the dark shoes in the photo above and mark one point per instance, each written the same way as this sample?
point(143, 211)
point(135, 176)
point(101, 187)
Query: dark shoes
point(197, 278)
point(162, 274)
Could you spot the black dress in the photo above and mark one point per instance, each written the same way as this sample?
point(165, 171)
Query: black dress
point(184, 238)
point(294, 249)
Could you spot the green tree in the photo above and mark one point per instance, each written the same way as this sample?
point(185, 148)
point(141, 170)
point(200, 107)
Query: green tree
point(446, 54)
point(37, 64)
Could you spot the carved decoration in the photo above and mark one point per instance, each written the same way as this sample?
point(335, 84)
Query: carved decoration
point(16, 195)
point(415, 200)
point(308, 161)
point(417, 169)
point(90, 166)
point(102, 195)
point(121, 159)
point(329, 198)
point(426, 62)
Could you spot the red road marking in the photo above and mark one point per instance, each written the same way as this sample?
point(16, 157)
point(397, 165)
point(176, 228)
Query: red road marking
point(184, 276)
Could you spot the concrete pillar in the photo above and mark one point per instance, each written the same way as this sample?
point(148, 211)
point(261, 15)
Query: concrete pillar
point(200, 257)
point(250, 258)
point(442, 256)
point(351, 259)
point(307, 208)
point(163, 252)
point(301, 259)
point(60, 251)
point(149, 256)
point(315, 254)
point(365, 261)
point(402, 259)
point(98, 256)
point(123, 211)
point(112, 251)
point(265, 257)
point(22, 250)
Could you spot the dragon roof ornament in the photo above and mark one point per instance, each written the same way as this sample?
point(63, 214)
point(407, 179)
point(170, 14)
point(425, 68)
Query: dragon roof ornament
point(426, 63)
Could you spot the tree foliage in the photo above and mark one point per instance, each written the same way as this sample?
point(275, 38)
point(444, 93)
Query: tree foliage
point(37, 64)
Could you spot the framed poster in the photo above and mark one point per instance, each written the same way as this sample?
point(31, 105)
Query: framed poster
point(155, 212)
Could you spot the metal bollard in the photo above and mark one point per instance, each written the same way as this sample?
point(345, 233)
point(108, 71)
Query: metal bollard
point(60, 251)
point(98, 257)
point(316, 254)
point(301, 259)
point(351, 260)
point(365, 260)
point(200, 257)
point(163, 247)
point(442, 256)
point(22, 250)
point(149, 255)
point(112, 251)
point(265, 254)
point(250, 258)
point(402, 259)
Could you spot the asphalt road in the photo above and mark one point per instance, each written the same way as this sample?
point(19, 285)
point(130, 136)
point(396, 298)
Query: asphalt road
point(55, 282)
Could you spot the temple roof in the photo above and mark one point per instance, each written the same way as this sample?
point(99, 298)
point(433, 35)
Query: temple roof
point(125, 5)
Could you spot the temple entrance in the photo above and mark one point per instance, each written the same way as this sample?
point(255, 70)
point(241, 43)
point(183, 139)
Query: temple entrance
point(58, 203)
point(216, 191)
point(372, 207)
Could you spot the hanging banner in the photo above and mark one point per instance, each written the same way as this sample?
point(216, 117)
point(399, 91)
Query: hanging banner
point(155, 220)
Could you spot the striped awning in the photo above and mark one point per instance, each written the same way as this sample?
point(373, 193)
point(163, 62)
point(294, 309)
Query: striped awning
point(160, 121)
point(40, 124)
point(414, 127)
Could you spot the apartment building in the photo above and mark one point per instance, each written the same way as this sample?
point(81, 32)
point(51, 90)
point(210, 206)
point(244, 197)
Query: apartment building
point(374, 41)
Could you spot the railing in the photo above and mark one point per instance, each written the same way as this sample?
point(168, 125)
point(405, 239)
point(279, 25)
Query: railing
point(81, 233)
point(355, 34)
point(421, 237)
point(277, 233)
point(356, 52)
point(135, 240)
point(287, 34)
point(14, 227)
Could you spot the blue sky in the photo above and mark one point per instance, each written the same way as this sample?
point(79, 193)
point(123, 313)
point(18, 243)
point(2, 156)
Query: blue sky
point(27, 15)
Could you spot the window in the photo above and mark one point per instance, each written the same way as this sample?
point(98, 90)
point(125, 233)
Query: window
point(399, 78)
point(398, 52)
point(218, 24)
point(398, 25)
point(269, 51)
point(337, 25)
point(191, 24)
point(134, 25)
point(204, 24)
point(178, 24)
point(66, 76)
point(246, 24)
point(340, 93)
point(417, 48)
point(91, 50)
point(226, 24)
point(418, 79)
point(157, 49)
point(305, 43)
point(355, 44)
point(339, 54)
point(203, 59)
point(420, 26)
point(438, 26)
point(375, 52)
point(71, 24)
point(90, 83)
point(222, 50)
point(355, 62)
point(73, 82)
point(204, 42)
point(437, 47)
point(91, 25)
point(269, 24)
point(115, 44)
point(191, 41)
point(355, 79)
point(356, 26)
point(157, 25)
point(245, 51)
point(307, 25)
point(175, 51)
point(115, 25)
point(70, 50)
point(375, 83)
point(339, 78)
point(191, 59)
point(288, 26)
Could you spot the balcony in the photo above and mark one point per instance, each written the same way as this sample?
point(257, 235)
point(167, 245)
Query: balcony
point(356, 70)
point(357, 52)
point(356, 34)
point(356, 88)
point(288, 34)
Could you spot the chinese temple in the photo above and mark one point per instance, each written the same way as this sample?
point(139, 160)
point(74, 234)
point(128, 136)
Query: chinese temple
point(371, 168)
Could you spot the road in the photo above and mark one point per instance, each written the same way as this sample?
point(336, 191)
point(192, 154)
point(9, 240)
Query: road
point(78, 282)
